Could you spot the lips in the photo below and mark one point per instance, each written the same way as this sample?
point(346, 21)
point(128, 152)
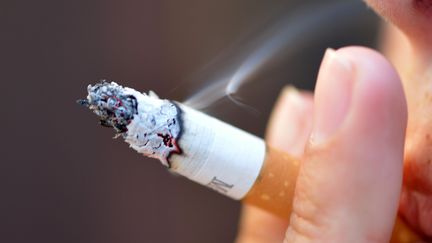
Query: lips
point(416, 199)
point(423, 6)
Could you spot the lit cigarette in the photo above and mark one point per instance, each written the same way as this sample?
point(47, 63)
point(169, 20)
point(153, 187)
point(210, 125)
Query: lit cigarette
point(204, 149)
point(197, 146)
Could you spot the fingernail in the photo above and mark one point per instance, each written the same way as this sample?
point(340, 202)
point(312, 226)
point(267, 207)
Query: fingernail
point(290, 123)
point(333, 93)
point(290, 95)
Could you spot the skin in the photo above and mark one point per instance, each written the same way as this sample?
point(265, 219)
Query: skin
point(351, 184)
point(407, 38)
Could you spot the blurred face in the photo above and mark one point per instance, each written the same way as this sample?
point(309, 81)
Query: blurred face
point(410, 50)
point(413, 17)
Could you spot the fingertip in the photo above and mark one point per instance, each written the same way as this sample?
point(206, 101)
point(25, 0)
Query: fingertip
point(291, 121)
point(353, 174)
point(378, 102)
point(355, 83)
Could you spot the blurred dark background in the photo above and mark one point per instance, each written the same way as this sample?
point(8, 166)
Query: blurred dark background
point(64, 179)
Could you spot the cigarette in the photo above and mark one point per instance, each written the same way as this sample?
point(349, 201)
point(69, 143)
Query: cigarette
point(195, 145)
point(203, 149)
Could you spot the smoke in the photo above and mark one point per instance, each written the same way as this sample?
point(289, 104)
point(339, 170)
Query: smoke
point(282, 38)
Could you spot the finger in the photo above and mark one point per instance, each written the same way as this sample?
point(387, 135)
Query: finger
point(291, 121)
point(349, 183)
point(288, 130)
point(259, 226)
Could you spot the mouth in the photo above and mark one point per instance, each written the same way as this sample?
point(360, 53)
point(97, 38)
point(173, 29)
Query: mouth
point(416, 198)
point(423, 6)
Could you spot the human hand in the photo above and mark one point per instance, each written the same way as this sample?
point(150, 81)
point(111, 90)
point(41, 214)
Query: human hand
point(409, 48)
point(350, 178)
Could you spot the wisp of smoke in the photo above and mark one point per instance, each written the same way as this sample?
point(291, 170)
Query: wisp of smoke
point(284, 37)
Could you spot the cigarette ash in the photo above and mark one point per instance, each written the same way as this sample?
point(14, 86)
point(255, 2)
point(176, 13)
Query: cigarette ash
point(114, 107)
point(150, 125)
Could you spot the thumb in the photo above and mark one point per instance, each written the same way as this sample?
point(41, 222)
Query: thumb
point(349, 184)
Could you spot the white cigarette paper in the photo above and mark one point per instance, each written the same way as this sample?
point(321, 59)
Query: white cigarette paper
point(191, 143)
point(217, 154)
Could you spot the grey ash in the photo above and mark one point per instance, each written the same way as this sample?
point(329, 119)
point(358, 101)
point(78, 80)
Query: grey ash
point(114, 108)
point(150, 125)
